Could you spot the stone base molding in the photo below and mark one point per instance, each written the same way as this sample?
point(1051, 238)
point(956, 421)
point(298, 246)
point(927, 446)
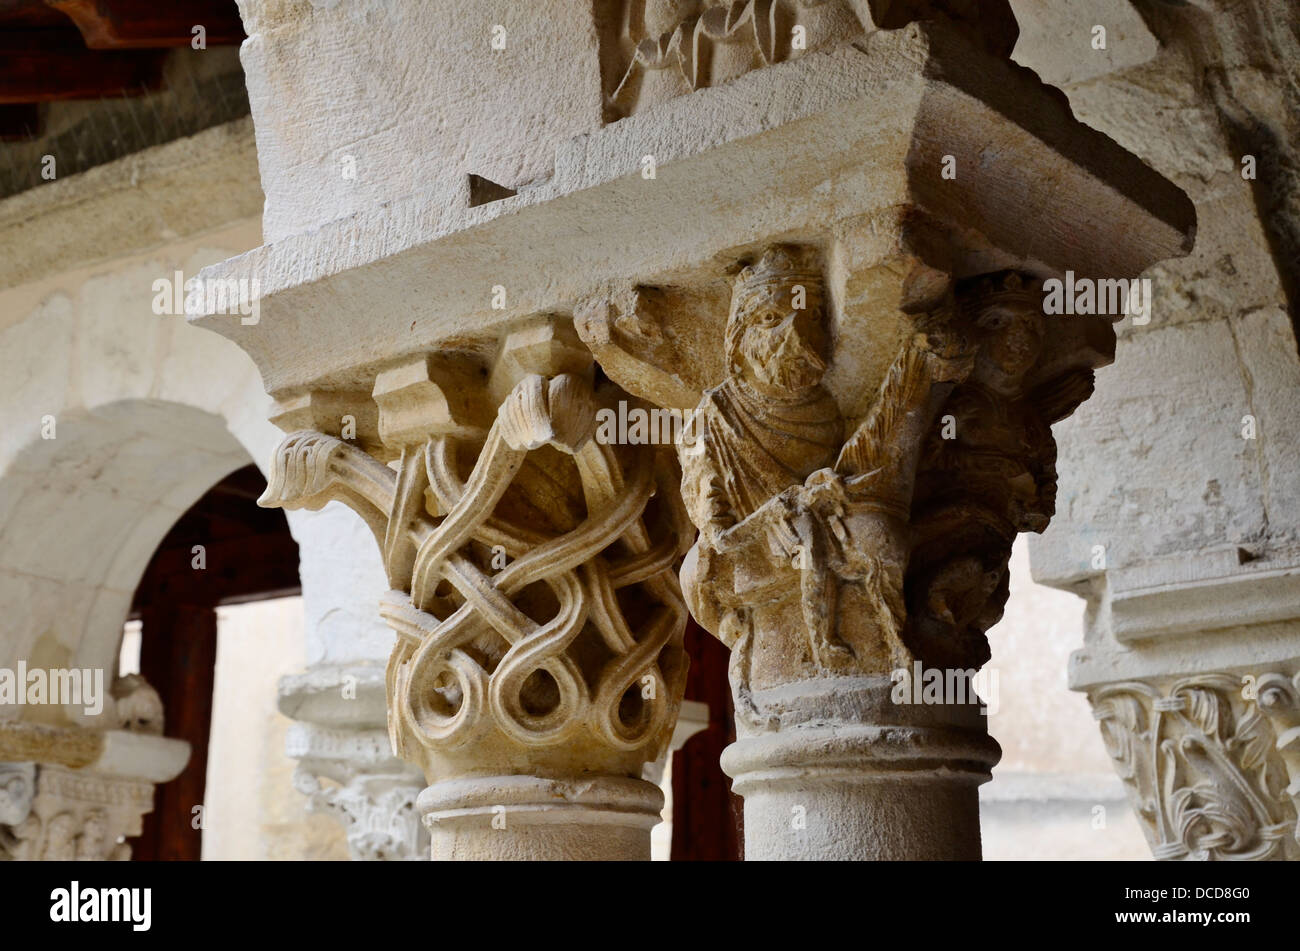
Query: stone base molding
point(601, 818)
point(881, 781)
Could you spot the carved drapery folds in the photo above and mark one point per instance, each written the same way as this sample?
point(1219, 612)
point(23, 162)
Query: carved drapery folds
point(538, 618)
point(827, 548)
point(1211, 762)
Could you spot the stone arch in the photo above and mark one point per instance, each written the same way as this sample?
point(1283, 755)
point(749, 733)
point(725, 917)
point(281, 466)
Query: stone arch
point(146, 413)
point(87, 509)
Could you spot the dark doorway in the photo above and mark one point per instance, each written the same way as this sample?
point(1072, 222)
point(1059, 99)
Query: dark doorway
point(246, 554)
point(707, 816)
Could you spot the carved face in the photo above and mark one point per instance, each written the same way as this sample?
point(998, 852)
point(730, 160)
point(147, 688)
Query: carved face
point(781, 344)
point(94, 836)
point(59, 836)
point(1012, 345)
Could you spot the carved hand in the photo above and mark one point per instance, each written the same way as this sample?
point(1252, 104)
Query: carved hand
point(782, 539)
point(949, 353)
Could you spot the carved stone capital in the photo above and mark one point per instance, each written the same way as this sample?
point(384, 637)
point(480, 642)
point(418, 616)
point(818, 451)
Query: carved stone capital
point(1190, 663)
point(78, 815)
point(844, 536)
point(70, 792)
point(1211, 761)
point(538, 618)
point(907, 159)
point(353, 776)
point(835, 546)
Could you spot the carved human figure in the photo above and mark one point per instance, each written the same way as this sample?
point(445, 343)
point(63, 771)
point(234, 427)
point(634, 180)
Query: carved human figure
point(678, 46)
point(138, 707)
point(999, 439)
point(61, 838)
point(987, 473)
point(800, 532)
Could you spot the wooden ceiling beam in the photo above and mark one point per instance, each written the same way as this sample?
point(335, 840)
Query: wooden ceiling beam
point(243, 569)
point(151, 24)
point(20, 121)
point(36, 67)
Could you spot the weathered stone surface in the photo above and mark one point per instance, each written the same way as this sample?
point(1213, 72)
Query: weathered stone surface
point(897, 160)
point(1177, 522)
point(514, 543)
point(835, 149)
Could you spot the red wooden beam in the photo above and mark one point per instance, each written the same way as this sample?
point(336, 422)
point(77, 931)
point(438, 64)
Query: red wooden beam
point(19, 122)
point(707, 816)
point(29, 15)
point(178, 656)
point(40, 66)
point(152, 24)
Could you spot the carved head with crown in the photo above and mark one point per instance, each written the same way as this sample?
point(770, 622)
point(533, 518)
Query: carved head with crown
point(776, 336)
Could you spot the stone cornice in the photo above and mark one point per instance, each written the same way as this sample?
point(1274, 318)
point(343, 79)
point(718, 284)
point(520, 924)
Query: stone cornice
point(791, 148)
point(1153, 619)
point(109, 753)
point(193, 184)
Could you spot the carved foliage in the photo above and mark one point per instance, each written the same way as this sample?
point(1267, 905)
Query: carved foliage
point(377, 812)
point(1212, 764)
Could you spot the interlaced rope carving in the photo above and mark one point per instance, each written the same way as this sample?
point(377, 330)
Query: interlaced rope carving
point(469, 655)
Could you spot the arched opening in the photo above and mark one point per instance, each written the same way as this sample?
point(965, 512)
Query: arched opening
point(100, 515)
point(224, 550)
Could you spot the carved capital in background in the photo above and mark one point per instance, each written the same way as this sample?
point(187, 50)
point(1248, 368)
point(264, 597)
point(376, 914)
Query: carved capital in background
point(70, 792)
point(78, 815)
point(371, 793)
point(1211, 762)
